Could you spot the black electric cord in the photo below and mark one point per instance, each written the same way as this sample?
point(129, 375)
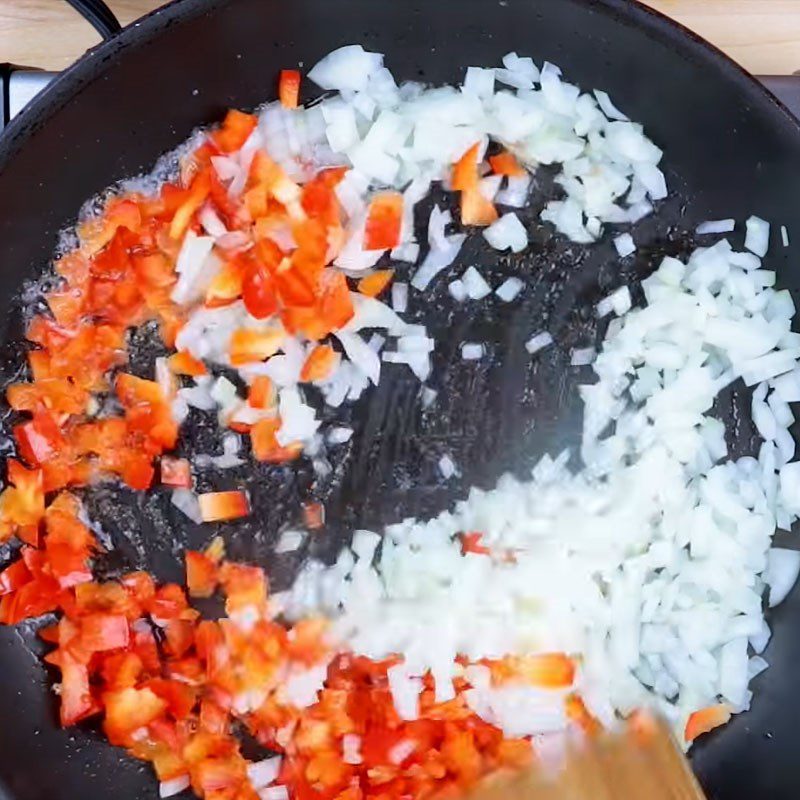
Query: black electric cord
point(99, 15)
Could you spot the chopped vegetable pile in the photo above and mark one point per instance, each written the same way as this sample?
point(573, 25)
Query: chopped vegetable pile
point(267, 258)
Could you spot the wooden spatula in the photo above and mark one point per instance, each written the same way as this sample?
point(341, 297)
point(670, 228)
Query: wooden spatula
point(639, 762)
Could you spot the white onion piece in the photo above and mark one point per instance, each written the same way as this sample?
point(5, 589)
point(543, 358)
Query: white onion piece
point(351, 748)
point(639, 211)
point(716, 226)
point(447, 467)
point(475, 284)
point(490, 186)
point(399, 297)
point(515, 195)
point(369, 312)
point(624, 245)
point(186, 501)
point(348, 68)
point(211, 222)
point(223, 392)
point(298, 420)
point(607, 107)
point(227, 168)
point(787, 386)
point(538, 342)
point(756, 666)
point(790, 486)
point(405, 692)
point(514, 79)
point(273, 793)
point(471, 351)
point(428, 396)
point(783, 567)
point(173, 786)
point(264, 772)
point(339, 435)
point(438, 259)
point(196, 266)
point(618, 301)
point(408, 252)
point(479, 81)
point(376, 342)
point(509, 289)
point(360, 354)
point(582, 356)
point(457, 290)
point(757, 236)
point(522, 65)
point(507, 233)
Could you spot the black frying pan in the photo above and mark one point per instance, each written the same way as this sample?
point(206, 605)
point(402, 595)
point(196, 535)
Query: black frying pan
point(731, 150)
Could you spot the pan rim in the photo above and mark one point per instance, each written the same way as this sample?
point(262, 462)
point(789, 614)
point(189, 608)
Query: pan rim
point(99, 60)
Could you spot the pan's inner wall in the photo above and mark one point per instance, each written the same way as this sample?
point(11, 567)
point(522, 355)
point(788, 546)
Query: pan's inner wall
point(729, 152)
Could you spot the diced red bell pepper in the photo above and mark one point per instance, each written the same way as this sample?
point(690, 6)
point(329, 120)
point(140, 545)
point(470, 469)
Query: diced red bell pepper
point(289, 88)
point(175, 472)
point(313, 515)
point(226, 286)
point(319, 363)
point(243, 586)
point(138, 471)
point(76, 698)
point(476, 209)
point(169, 603)
point(14, 577)
point(121, 670)
point(202, 574)
point(335, 303)
point(133, 391)
point(184, 363)
point(250, 344)
point(471, 543)
point(179, 634)
point(265, 444)
point(505, 164)
point(235, 130)
point(262, 392)
point(384, 220)
point(221, 506)
point(37, 597)
point(179, 697)
point(129, 709)
point(705, 720)
point(196, 196)
point(70, 567)
point(100, 632)
point(140, 587)
point(39, 439)
point(258, 292)
point(374, 284)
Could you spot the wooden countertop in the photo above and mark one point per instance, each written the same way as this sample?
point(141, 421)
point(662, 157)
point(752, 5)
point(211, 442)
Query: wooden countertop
point(763, 35)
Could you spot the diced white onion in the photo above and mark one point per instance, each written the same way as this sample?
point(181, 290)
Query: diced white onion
point(471, 351)
point(173, 786)
point(509, 289)
point(757, 236)
point(507, 233)
point(538, 342)
point(624, 245)
point(716, 226)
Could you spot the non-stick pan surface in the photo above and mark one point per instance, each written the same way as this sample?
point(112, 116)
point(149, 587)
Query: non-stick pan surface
point(731, 150)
